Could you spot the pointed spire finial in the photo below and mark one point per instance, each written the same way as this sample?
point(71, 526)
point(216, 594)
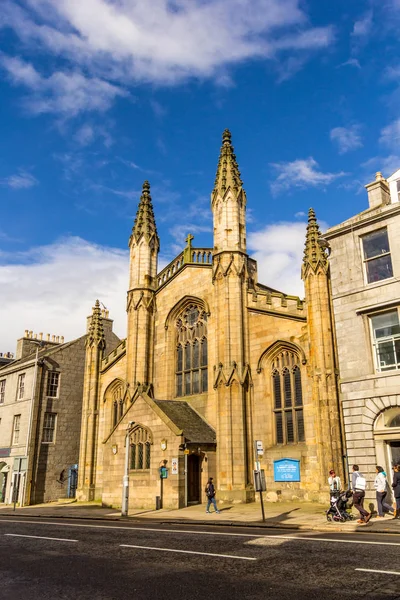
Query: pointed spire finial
point(145, 223)
point(228, 174)
point(314, 255)
point(96, 332)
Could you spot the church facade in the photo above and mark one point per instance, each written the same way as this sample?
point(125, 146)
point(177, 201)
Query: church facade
point(213, 362)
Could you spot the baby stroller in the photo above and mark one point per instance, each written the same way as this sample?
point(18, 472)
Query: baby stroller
point(338, 510)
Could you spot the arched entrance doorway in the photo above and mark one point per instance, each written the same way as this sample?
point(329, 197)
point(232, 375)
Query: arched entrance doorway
point(4, 469)
point(194, 478)
point(387, 439)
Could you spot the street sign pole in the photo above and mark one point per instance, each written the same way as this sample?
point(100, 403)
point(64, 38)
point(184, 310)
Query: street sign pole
point(258, 480)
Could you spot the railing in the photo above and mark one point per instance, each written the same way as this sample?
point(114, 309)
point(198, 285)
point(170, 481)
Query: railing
point(190, 256)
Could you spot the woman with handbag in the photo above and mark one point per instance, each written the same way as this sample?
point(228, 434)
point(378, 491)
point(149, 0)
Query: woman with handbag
point(380, 484)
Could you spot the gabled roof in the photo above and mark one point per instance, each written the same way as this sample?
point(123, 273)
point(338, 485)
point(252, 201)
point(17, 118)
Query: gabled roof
point(194, 428)
point(30, 358)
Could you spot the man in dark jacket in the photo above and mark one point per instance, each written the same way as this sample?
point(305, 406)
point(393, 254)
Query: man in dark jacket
point(396, 490)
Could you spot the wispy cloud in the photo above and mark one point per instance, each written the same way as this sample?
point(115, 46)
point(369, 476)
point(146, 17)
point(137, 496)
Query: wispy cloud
point(66, 94)
point(352, 62)
point(20, 181)
point(164, 42)
point(346, 138)
point(363, 26)
point(301, 173)
point(390, 135)
point(386, 164)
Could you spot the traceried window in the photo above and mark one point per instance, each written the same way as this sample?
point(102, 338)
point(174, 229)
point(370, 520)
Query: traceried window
point(377, 259)
point(21, 386)
point(53, 379)
point(191, 352)
point(2, 391)
point(288, 399)
point(386, 340)
point(49, 427)
point(140, 441)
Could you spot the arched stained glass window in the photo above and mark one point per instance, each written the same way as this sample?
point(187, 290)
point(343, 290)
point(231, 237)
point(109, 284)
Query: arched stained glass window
point(288, 399)
point(191, 352)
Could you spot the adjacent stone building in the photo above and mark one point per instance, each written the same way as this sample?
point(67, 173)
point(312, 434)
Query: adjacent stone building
point(213, 361)
point(40, 417)
point(365, 271)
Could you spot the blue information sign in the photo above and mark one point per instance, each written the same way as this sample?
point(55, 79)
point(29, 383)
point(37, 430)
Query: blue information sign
point(287, 469)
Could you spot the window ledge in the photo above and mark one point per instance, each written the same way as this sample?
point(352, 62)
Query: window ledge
point(139, 470)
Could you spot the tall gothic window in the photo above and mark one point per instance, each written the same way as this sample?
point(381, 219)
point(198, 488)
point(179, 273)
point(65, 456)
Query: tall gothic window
point(140, 449)
point(118, 406)
point(288, 399)
point(191, 352)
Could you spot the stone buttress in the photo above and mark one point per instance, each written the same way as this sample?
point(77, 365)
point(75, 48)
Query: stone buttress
point(95, 346)
point(230, 280)
point(144, 246)
point(323, 369)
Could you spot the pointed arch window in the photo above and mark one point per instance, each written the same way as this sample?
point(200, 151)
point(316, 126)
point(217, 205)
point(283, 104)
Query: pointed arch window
point(191, 352)
point(118, 406)
point(288, 399)
point(140, 442)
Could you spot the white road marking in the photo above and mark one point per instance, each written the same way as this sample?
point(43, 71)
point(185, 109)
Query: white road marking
point(377, 571)
point(218, 533)
point(38, 537)
point(188, 552)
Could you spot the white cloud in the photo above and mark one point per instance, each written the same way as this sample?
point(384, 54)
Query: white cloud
point(164, 41)
point(301, 173)
point(390, 135)
point(346, 138)
point(362, 28)
point(88, 133)
point(352, 62)
point(52, 288)
point(278, 250)
point(20, 181)
point(63, 93)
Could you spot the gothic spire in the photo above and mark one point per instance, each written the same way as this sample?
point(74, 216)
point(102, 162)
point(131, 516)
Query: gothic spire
point(314, 254)
point(145, 223)
point(95, 336)
point(228, 174)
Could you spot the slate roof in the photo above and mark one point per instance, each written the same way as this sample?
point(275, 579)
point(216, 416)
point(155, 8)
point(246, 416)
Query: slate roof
point(195, 428)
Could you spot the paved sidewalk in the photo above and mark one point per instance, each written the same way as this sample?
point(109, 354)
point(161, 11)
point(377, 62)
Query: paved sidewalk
point(301, 516)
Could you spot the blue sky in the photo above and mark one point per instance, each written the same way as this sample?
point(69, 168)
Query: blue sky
point(97, 96)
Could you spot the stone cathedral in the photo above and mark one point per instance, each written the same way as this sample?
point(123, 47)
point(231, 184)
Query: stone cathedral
point(213, 361)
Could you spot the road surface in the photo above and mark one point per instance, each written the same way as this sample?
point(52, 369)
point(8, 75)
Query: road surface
point(98, 560)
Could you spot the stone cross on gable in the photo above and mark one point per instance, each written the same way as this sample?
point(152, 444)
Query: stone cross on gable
point(189, 239)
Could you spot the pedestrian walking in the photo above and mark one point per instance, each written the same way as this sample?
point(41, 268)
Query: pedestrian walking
point(335, 485)
point(380, 484)
point(396, 489)
point(358, 485)
point(210, 493)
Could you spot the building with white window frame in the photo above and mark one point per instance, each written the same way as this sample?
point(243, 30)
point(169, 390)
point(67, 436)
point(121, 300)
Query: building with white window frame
point(40, 417)
point(365, 280)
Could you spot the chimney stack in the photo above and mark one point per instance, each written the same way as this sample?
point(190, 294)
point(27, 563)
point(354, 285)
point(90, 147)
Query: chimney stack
point(378, 191)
